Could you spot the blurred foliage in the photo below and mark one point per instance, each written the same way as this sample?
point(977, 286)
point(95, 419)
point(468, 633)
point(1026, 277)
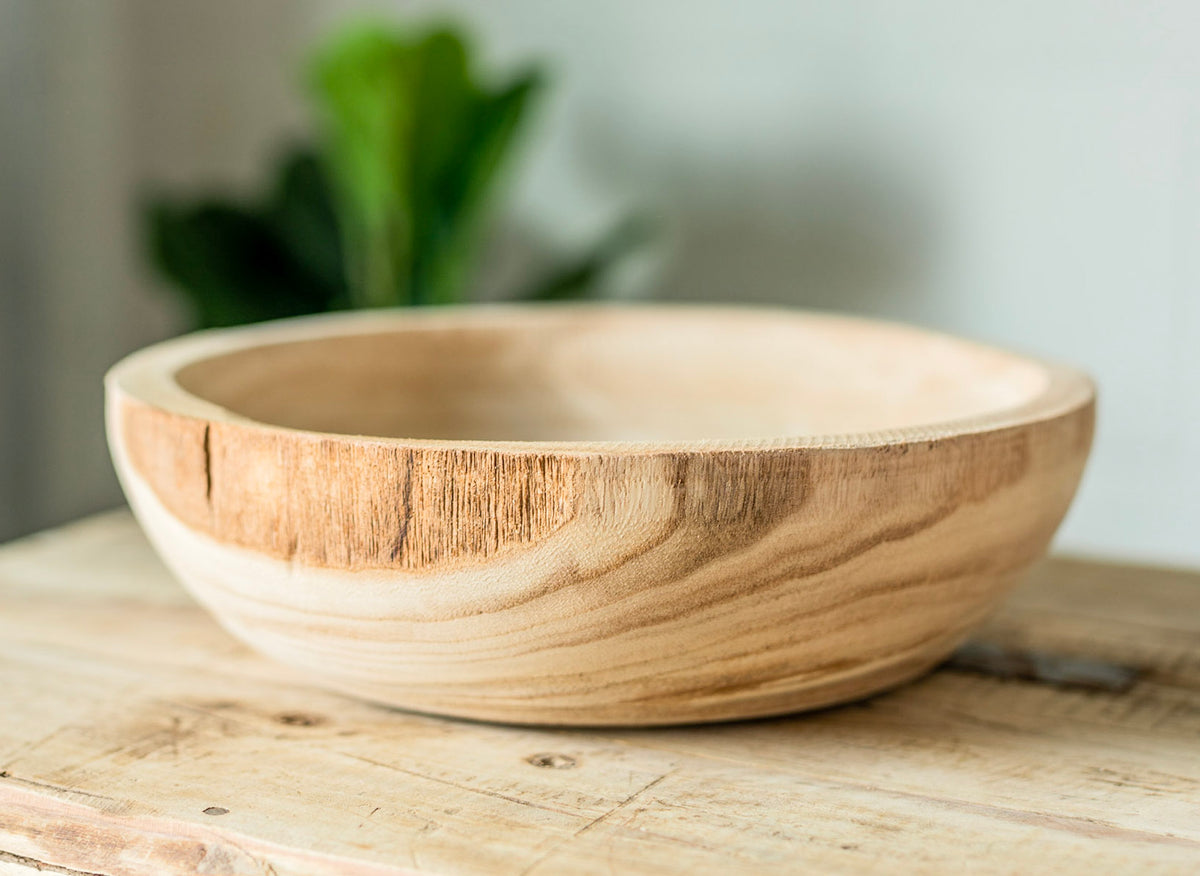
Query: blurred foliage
point(386, 210)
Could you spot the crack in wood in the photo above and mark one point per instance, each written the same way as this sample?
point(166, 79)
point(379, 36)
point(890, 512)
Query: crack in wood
point(42, 866)
point(484, 791)
point(541, 859)
point(4, 774)
point(207, 465)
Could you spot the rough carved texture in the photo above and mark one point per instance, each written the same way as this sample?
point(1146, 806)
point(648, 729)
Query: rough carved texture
point(597, 580)
point(377, 505)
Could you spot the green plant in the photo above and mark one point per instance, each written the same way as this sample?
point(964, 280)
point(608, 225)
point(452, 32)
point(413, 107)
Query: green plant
point(386, 209)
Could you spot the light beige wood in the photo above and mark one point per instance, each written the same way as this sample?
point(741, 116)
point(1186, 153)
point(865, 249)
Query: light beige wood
point(138, 738)
point(598, 515)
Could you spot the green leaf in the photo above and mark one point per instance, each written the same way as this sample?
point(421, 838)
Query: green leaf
point(463, 192)
point(415, 144)
point(388, 210)
point(363, 82)
point(303, 217)
point(240, 264)
point(496, 121)
point(443, 97)
point(230, 264)
point(581, 277)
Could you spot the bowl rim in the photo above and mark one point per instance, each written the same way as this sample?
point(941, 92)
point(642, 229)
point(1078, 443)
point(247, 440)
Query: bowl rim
point(149, 376)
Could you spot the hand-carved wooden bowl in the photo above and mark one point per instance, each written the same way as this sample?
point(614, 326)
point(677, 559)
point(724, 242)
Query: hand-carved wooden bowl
point(597, 515)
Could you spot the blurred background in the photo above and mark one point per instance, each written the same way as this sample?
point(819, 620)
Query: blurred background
point(1023, 173)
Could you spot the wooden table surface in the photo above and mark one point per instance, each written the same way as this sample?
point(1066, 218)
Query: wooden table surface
point(137, 737)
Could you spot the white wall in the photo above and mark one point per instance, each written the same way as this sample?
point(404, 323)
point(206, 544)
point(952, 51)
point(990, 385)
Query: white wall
point(19, 172)
point(1027, 173)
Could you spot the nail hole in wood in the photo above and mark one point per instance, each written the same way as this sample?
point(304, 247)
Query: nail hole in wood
point(551, 761)
point(299, 719)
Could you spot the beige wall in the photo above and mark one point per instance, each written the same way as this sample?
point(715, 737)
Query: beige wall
point(1024, 173)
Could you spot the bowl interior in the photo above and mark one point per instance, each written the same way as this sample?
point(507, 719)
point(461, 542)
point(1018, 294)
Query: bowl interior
point(588, 375)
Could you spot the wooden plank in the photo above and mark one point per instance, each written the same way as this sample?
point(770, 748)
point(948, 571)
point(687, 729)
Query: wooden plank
point(137, 737)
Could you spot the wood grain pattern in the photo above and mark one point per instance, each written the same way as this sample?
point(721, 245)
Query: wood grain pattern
point(631, 516)
point(139, 738)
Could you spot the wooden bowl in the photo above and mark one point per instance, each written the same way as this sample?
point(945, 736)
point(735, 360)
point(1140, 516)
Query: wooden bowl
point(597, 515)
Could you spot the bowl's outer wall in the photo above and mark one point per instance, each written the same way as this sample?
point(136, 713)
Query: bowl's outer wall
point(596, 588)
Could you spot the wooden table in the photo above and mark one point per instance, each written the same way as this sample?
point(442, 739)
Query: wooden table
point(137, 737)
